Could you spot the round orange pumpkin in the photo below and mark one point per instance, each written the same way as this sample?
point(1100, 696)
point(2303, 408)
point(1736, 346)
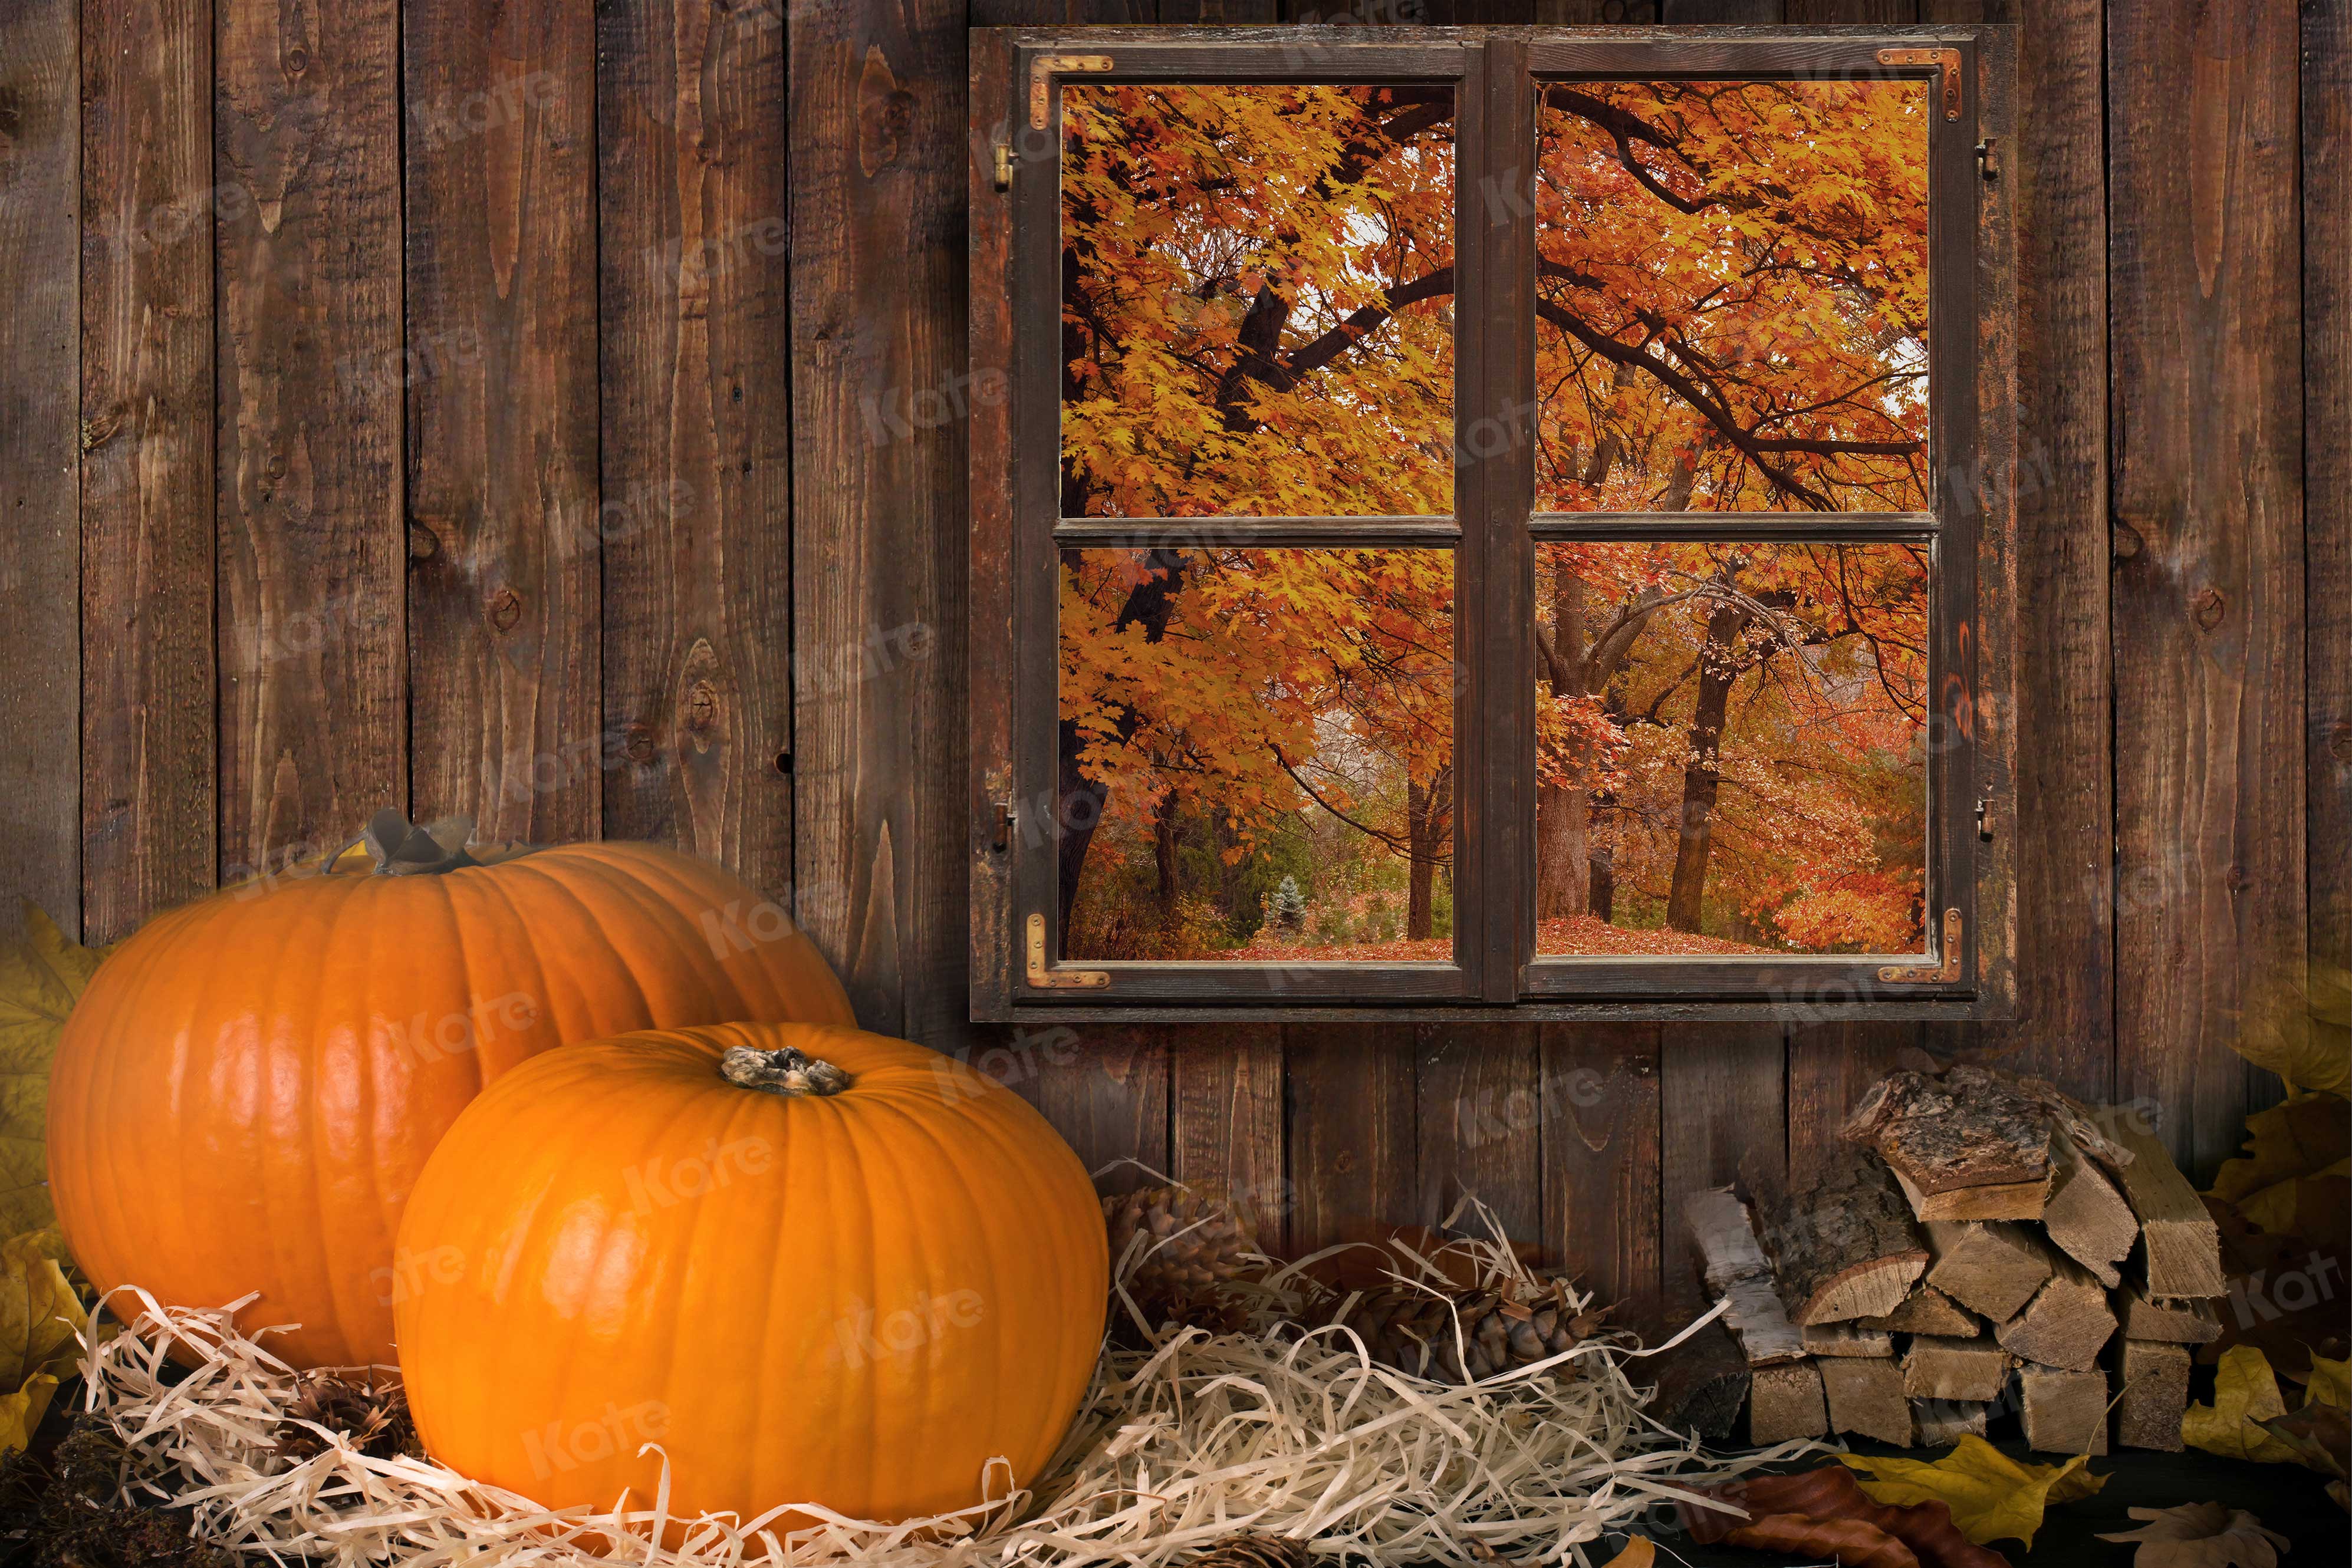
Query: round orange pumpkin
point(249, 1088)
point(813, 1265)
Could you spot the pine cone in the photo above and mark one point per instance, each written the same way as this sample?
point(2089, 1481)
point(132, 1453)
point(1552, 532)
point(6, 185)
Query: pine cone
point(1413, 1330)
point(1195, 1241)
point(375, 1420)
point(1253, 1551)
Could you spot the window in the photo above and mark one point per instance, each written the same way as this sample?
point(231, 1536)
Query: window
point(1509, 522)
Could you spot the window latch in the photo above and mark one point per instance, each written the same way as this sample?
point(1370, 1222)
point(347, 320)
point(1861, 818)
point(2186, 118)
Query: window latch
point(1008, 817)
point(1048, 979)
point(1988, 158)
point(1004, 166)
point(1984, 817)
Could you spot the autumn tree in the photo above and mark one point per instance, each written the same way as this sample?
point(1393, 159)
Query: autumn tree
point(1257, 285)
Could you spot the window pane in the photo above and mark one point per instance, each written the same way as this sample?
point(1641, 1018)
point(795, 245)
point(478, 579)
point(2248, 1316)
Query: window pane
point(1732, 748)
point(1257, 300)
point(1732, 296)
point(1258, 754)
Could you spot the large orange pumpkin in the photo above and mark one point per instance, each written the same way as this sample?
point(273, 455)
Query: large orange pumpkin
point(249, 1088)
point(811, 1264)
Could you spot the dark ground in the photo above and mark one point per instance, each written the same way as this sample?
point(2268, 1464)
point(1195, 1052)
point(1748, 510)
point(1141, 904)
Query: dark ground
point(2287, 1499)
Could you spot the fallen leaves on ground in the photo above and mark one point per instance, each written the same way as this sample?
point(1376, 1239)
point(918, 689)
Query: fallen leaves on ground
point(2201, 1535)
point(41, 977)
point(2297, 1021)
point(1993, 1496)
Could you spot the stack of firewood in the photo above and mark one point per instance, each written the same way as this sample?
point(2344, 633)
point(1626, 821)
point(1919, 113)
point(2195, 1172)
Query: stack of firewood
point(1983, 1244)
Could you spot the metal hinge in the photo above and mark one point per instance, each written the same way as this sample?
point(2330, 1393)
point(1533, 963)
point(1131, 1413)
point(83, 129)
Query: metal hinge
point(1004, 166)
point(1008, 817)
point(1947, 61)
point(1943, 973)
point(1984, 817)
point(1988, 158)
point(1050, 979)
point(1041, 88)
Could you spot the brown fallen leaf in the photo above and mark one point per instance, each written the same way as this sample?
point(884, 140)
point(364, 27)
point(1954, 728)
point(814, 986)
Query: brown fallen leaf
point(1849, 1542)
point(1830, 1494)
point(2201, 1535)
point(1639, 1552)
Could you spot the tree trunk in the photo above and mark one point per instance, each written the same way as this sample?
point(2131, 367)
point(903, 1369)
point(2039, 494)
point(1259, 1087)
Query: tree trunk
point(1163, 835)
point(1564, 812)
point(1702, 774)
point(1420, 904)
point(1427, 809)
point(1079, 801)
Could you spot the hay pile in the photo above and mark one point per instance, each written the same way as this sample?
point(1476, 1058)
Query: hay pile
point(1276, 1429)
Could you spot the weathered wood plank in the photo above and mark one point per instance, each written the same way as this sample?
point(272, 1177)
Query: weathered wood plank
point(2327, 184)
point(2209, 592)
point(695, 349)
point(148, 778)
point(876, 140)
point(1352, 1101)
point(1722, 1106)
point(1225, 1118)
point(1480, 1127)
point(40, 446)
point(1598, 1100)
point(311, 547)
point(2065, 780)
point(1107, 1096)
point(1830, 1067)
point(501, 374)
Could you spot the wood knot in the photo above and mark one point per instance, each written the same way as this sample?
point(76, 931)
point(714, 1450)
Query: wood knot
point(2339, 743)
point(702, 708)
point(2211, 607)
point(885, 113)
point(424, 544)
point(2126, 541)
point(506, 609)
point(638, 744)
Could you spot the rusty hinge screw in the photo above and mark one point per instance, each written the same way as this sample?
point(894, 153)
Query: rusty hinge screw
point(1003, 166)
point(1946, 65)
point(1942, 974)
point(1042, 71)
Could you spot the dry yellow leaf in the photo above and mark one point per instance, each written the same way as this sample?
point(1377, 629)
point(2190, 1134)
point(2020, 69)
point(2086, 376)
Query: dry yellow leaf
point(1639, 1553)
point(2330, 1382)
point(41, 1322)
point(2293, 1178)
point(2297, 1021)
point(1993, 1496)
point(2245, 1395)
point(21, 1412)
point(41, 976)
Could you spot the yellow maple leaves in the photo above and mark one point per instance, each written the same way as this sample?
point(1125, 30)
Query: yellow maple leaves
point(1993, 1496)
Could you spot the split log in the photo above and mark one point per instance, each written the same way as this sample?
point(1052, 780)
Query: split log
point(2086, 1215)
point(1995, 1201)
point(1733, 1266)
point(1942, 1421)
point(1784, 1401)
point(1866, 1397)
point(2065, 1411)
point(1968, 1128)
point(2183, 1244)
point(1702, 1384)
point(1990, 1267)
point(2189, 1322)
point(2066, 1325)
point(2151, 1390)
point(1972, 1369)
point(1847, 1339)
point(1928, 1310)
point(1847, 1248)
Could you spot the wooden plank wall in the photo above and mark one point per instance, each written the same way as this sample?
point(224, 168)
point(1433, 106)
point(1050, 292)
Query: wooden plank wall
point(558, 417)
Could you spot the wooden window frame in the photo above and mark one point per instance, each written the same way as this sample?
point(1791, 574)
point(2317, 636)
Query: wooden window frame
point(1968, 971)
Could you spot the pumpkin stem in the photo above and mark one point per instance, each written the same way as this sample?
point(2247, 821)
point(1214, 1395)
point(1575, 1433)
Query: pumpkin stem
point(787, 1071)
